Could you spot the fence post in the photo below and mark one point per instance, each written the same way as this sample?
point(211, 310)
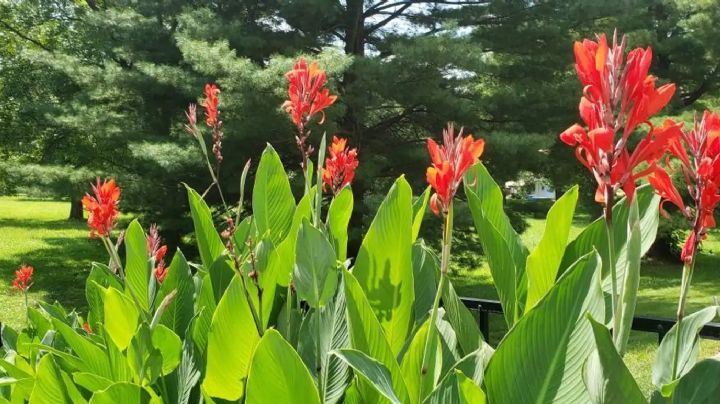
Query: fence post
point(484, 322)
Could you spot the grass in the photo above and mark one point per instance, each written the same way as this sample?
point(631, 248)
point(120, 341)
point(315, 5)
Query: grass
point(37, 233)
point(658, 294)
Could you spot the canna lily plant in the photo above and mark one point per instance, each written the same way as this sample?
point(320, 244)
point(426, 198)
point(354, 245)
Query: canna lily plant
point(274, 310)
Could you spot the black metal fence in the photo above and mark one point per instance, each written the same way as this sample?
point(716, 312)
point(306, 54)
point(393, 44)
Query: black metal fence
point(657, 325)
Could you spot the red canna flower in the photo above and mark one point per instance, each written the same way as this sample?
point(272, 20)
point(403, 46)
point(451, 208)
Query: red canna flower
point(449, 163)
point(157, 253)
point(618, 95)
point(210, 103)
point(339, 166)
point(698, 151)
point(23, 278)
point(306, 94)
point(102, 207)
point(87, 328)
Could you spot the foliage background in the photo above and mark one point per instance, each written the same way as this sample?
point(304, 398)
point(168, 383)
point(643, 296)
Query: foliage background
point(98, 87)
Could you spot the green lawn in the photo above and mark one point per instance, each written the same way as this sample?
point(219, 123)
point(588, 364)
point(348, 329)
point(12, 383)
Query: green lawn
point(659, 291)
point(37, 233)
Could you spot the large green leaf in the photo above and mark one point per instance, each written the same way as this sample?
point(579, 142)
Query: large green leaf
point(100, 277)
point(48, 388)
point(124, 393)
point(278, 375)
point(170, 347)
point(371, 371)
point(419, 209)
point(500, 260)
point(490, 197)
point(209, 243)
point(137, 264)
point(606, 377)
point(205, 308)
point(540, 359)
point(231, 341)
point(315, 275)
point(335, 335)
point(384, 264)
point(421, 381)
point(457, 388)
point(463, 322)
point(338, 218)
point(594, 236)
point(121, 318)
point(701, 385)
point(631, 282)
point(285, 251)
point(91, 356)
point(272, 199)
point(368, 336)
point(543, 263)
point(425, 269)
point(689, 347)
point(179, 313)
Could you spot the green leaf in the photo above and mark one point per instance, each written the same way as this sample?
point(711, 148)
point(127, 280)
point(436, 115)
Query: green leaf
point(179, 313)
point(540, 359)
point(205, 309)
point(278, 375)
point(137, 264)
point(689, 347)
point(606, 377)
point(384, 264)
point(170, 347)
point(457, 388)
point(420, 382)
point(543, 263)
point(314, 276)
point(91, 382)
point(335, 335)
point(209, 243)
point(231, 341)
point(124, 393)
point(367, 336)
point(121, 318)
point(339, 213)
point(371, 371)
point(100, 277)
point(474, 363)
point(286, 249)
point(594, 236)
point(631, 284)
point(92, 357)
point(425, 269)
point(701, 385)
point(48, 386)
point(462, 320)
point(272, 199)
point(500, 261)
point(419, 209)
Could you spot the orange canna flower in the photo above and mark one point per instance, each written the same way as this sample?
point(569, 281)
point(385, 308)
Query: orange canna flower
point(306, 95)
point(449, 163)
point(23, 278)
point(618, 95)
point(210, 103)
point(102, 207)
point(87, 328)
point(698, 151)
point(340, 166)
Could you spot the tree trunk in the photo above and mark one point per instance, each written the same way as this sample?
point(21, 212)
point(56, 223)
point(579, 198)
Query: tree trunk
point(76, 209)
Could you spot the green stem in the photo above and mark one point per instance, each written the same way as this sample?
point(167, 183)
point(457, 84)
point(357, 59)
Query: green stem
point(444, 268)
point(684, 289)
point(613, 273)
point(318, 349)
point(27, 307)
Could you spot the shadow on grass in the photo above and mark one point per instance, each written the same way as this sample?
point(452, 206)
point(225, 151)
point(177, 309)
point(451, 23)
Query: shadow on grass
point(58, 252)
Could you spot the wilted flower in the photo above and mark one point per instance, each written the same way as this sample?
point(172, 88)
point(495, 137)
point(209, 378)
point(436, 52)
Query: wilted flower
point(87, 328)
point(23, 278)
point(449, 163)
point(699, 153)
point(102, 207)
point(617, 96)
point(340, 165)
